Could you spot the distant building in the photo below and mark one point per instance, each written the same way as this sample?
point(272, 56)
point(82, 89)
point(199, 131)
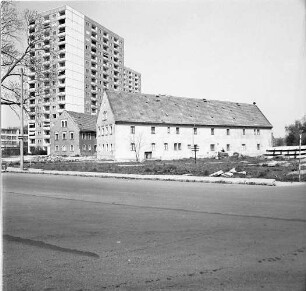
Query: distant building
point(131, 81)
point(80, 59)
point(74, 133)
point(10, 141)
point(166, 127)
point(9, 137)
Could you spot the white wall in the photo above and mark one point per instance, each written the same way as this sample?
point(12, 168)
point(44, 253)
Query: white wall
point(75, 84)
point(122, 139)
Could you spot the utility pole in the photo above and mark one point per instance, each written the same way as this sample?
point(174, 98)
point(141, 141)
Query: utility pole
point(21, 122)
point(195, 148)
point(300, 132)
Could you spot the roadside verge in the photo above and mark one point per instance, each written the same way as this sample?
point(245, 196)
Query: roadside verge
point(180, 178)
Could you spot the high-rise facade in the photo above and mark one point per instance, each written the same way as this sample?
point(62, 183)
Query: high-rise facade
point(131, 81)
point(79, 59)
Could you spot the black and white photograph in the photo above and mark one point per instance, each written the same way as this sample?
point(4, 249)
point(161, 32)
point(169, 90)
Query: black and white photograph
point(153, 145)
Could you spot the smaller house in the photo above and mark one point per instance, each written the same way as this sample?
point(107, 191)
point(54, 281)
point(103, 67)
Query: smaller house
point(74, 133)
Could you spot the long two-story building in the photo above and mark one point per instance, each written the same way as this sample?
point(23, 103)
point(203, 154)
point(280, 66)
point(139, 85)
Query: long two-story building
point(143, 126)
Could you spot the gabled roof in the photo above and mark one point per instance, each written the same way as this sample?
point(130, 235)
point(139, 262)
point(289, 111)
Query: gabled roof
point(85, 122)
point(147, 108)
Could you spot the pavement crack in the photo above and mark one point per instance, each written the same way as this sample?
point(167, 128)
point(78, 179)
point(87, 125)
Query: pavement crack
point(44, 245)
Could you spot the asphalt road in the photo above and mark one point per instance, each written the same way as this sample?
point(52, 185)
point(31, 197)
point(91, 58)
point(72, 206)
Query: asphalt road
point(77, 233)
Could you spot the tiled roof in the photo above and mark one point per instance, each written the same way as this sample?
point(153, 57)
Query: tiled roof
point(86, 122)
point(147, 108)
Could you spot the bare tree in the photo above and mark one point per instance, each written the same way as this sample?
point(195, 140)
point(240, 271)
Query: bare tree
point(22, 46)
point(137, 143)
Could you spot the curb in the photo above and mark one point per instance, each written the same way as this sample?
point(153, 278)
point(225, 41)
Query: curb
point(221, 180)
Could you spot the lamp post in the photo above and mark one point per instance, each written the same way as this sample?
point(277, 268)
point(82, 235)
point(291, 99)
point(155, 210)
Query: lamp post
point(300, 133)
point(21, 122)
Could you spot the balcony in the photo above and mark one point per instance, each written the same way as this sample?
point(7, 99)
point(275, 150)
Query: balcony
point(61, 101)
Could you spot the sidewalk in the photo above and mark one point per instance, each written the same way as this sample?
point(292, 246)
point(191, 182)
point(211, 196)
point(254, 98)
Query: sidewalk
point(222, 180)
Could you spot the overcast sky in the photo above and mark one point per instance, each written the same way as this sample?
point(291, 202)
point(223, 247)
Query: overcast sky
point(234, 50)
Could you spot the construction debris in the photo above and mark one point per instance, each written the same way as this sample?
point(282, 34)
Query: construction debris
point(216, 174)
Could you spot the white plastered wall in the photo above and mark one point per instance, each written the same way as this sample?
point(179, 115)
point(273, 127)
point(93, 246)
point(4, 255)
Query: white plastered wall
point(75, 84)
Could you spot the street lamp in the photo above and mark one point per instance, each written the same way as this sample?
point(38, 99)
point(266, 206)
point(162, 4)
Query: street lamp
point(21, 122)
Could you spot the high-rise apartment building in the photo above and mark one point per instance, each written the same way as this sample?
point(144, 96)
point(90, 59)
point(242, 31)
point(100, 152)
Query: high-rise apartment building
point(131, 81)
point(79, 59)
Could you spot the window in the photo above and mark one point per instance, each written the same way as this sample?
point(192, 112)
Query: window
point(165, 146)
point(254, 131)
point(132, 129)
point(56, 136)
point(212, 131)
point(258, 147)
point(104, 115)
point(243, 131)
point(133, 147)
point(153, 146)
point(177, 130)
point(227, 131)
point(71, 135)
point(56, 148)
point(189, 146)
point(179, 146)
point(175, 146)
point(110, 130)
point(258, 131)
point(212, 147)
point(64, 148)
point(152, 129)
point(71, 148)
point(228, 147)
point(168, 129)
point(102, 128)
point(89, 147)
point(64, 123)
point(195, 131)
point(84, 147)
point(243, 147)
point(89, 136)
point(64, 135)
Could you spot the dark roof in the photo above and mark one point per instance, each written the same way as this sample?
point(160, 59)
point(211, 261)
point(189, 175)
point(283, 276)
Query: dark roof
point(85, 122)
point(147, 108)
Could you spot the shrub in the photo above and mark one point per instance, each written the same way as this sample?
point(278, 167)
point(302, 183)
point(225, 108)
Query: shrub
point(38, 151)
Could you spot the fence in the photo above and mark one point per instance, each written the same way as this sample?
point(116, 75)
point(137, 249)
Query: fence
point(288, 151)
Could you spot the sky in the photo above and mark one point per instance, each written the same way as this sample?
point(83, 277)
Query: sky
point(232, 50)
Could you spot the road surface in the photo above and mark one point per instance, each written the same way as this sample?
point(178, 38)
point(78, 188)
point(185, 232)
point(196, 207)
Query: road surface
point(77, 233)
